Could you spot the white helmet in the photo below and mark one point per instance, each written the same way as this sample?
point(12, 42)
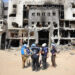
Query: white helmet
point(44, 44)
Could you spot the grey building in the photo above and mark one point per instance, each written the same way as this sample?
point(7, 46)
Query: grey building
point(41, 21)
point(43, 18)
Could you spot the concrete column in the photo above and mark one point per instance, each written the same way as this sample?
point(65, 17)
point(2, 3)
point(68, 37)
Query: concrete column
point(68, 34)
point(0, 40)
point(36, 36)
point(58, 42)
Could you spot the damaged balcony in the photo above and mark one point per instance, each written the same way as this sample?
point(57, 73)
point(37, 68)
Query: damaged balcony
point(14, 24)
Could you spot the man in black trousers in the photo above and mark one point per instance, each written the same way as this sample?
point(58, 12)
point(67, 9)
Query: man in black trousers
point(35, 57)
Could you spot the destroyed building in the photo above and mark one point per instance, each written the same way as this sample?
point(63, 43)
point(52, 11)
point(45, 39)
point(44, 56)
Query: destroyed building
point(41, 21)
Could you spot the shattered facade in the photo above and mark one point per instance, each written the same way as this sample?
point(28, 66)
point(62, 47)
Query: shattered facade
point(41, 21)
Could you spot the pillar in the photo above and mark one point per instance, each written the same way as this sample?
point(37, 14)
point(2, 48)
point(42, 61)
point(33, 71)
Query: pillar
point(0, 40)
point(36, 36)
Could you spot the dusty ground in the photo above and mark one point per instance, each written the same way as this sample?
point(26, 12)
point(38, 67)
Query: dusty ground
point(10, 64)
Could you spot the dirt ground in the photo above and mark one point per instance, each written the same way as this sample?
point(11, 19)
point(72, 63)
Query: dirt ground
point(11, 64)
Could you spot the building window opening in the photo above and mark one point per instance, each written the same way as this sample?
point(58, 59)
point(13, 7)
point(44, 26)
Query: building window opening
point(61, 23)
point(54, 14)
point(14, 6)
point(38, 24)
point(32, 22)
point(49, 23)
point(56, 40)
point(64, 42)
point(66, 23)
point(48, 14)
point(72, 34)
point(0, 22)
point(38, 14)
point(25, 12)
point(55, 24)
point(33, 14)
point(55, 33)
point(43, 14)
point(73, 15)
point(64, 33)
point(73, 5)
point(43, 24)
point(14, 24)
point(31, 33)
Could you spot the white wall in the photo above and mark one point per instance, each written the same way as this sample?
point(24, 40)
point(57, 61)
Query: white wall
point(69, 10)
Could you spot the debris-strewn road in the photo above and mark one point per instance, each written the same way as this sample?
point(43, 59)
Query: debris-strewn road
point(10, 64)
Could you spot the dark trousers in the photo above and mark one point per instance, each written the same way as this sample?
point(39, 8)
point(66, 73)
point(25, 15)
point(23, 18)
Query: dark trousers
point(35, 63)
point(44, 62)
point(53, 60)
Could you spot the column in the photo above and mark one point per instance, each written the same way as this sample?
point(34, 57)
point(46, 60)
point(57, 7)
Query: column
point(0, 40)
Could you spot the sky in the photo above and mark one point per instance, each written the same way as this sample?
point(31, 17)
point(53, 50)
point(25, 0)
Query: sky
point(5, 0)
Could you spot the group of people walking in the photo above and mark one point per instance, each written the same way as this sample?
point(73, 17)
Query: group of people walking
point(35, 52)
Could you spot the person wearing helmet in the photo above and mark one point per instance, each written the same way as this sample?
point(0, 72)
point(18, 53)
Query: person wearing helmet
point(35, 57)
point(23, 55)
point(53, 56)
point(44, 53)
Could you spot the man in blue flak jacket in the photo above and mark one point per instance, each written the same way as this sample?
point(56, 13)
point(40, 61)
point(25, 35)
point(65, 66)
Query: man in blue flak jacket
point(35, 57)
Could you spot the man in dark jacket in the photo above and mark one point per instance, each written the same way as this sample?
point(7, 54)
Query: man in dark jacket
point(35, 57)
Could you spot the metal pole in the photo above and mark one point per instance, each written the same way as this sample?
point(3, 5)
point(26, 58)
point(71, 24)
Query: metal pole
point(28, 35)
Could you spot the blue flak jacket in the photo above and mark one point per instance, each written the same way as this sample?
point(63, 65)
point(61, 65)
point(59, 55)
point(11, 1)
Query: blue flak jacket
point(45, 49)
point(22, 50)
point(35, 51)
point(28, 51)
point(53, 51)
